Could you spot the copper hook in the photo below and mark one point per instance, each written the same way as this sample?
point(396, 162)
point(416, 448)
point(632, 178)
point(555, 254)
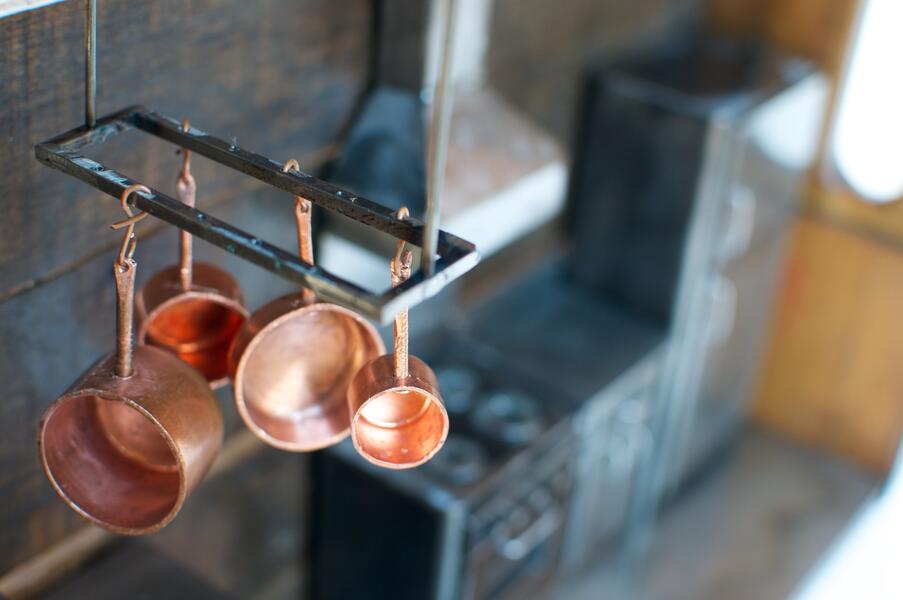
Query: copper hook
point(398, 263)
point(302, 220)
point(186, 154)
point(186, 187)
point(124, 272)
point(401, 271)
point(127, 250)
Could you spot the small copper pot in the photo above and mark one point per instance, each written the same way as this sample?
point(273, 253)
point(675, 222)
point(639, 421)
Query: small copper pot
point(193, 310)
point(293, 359)
point(398, 419)
point(134, 435)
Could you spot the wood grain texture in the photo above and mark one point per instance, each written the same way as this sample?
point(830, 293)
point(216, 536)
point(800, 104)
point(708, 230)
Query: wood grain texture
point(832, 376)
point(402, 28)
point(539, 51)
point(135, 570)
point(816, 29)
point(281, 76)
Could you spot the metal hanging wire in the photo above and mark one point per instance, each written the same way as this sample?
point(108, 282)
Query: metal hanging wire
point(90, 63)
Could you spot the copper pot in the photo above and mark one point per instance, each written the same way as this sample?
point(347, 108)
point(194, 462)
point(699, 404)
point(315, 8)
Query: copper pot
point(133, 436)
point(398, 419)
point(293, 359)
point(193, 310)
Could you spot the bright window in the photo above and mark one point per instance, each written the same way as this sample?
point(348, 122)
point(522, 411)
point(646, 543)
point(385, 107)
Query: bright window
point(867, 144)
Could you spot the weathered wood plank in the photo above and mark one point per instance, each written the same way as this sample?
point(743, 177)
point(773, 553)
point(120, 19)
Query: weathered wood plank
point(539, 50)
point(280, 76)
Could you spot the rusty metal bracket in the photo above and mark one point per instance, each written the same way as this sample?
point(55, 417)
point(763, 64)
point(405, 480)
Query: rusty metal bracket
point(454, 255)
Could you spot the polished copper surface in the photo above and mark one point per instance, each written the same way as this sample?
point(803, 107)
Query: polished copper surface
point(125, 452)
point(196, 325)
point(293, 359)
point(398, 419)
point(130, 439)
point(293, 364)
point(397, 423)
point(193, 309)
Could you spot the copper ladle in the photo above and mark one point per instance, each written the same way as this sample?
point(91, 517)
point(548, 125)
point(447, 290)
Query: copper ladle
point(398, 419)
point(292, 361)
point(134, 435)
point(193, 310)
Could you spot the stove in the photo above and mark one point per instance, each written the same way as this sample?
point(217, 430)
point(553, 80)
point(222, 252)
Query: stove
point(485, 518)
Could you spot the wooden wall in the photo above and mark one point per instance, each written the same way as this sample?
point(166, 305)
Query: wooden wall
point(830, 376)
point(281, 76)
point(539, 50)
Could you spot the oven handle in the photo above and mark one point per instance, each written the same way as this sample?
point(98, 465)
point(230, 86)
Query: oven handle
point(516, 548)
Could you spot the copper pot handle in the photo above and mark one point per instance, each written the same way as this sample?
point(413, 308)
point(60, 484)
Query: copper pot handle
point(125, 302)
point(124, 273)
point(302, 221)
point(401, 271)
point(186, 189)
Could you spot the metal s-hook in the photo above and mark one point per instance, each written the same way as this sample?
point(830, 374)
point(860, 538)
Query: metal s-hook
point(127, 250)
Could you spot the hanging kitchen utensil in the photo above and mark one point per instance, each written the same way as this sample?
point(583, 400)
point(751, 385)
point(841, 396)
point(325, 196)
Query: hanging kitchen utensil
point(133, 436)
point(192, 309)
point(398, 420)
point(292, 361)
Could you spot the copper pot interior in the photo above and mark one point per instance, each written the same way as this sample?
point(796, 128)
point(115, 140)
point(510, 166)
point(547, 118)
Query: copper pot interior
point(295, 358)
point(130, 439)
point(197, 325)
point(111, 462)
point(293, 374)
point(400, 423)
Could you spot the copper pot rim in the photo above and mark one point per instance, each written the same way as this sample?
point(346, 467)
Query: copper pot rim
point(207, 294)
point(170, 442)
point(259, 337)
point(197, 293)
point(432, 398)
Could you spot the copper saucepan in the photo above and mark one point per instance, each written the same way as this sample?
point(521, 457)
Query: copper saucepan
point(193, 310)
point(293, 359)
point(134, 435)
point(398, 419)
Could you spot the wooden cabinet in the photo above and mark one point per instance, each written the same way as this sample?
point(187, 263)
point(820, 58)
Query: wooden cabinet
point(833, 376)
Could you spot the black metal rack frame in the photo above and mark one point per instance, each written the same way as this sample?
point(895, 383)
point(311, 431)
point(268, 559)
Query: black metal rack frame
point(454, 255)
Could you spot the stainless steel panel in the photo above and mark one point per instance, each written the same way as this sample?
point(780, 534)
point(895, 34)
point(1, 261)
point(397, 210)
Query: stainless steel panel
point(614, 438)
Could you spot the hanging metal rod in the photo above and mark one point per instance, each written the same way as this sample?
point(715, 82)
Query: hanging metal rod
point(438, 139)
point(455, 256)
point(90, 62)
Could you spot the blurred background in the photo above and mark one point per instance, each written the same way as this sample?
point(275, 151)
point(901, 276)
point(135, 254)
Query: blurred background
point(674, 374)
